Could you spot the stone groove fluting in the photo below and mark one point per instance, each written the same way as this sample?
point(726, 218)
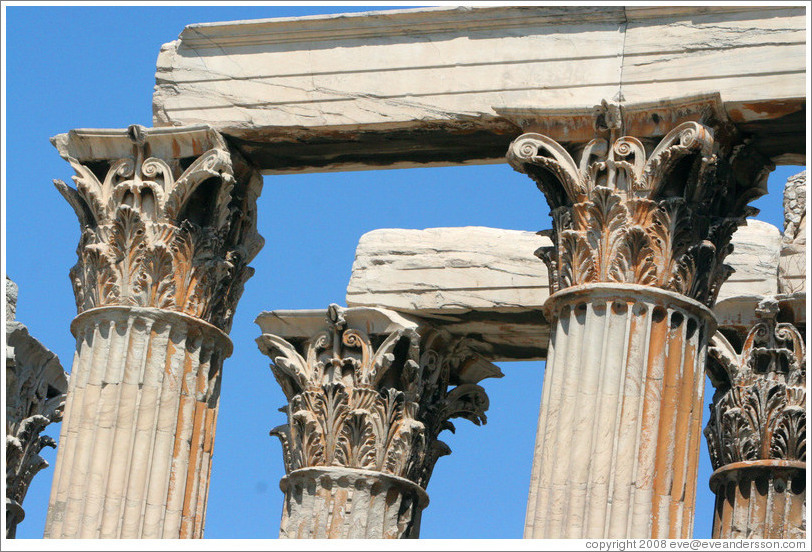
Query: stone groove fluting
point(629, 366)
point(757, 429)
point(168, 226)
point(640, 233)
point(368, 396)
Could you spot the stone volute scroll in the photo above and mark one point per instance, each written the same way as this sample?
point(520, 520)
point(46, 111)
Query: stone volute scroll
point(757, 429)
point(168, 226)
point(368, 392)
point(640, 231)
point(35, 398)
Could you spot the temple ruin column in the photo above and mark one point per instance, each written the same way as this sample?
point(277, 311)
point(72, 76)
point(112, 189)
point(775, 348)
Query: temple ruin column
point(168, 221)
point(757, 429)
point(369, 392)
point(640, 232)
point(35, 397)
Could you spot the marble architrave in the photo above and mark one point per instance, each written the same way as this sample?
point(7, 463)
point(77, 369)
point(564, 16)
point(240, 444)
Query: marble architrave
point(635, 260)
point(444, 86)
point(487, 282)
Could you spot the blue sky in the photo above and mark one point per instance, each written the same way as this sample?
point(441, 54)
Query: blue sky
point(93, 67)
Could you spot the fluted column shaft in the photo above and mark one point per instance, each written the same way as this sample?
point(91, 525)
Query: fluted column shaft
point(344, 503)
point(760, 499)
point(640, 233)
point(138, 426)
point(620, 422)
point(168, 220)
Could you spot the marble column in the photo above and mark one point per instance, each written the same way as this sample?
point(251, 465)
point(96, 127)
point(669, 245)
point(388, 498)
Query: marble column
point(168, 220)
point(757, 429)
point(369, 392)
point(640, 232)
point(35, 397)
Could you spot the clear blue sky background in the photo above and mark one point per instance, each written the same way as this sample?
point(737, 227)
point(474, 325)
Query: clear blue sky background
point(83, 67)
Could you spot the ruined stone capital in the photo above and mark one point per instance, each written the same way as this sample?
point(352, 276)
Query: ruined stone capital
point(368, 397)
point(640, 233)
point(757, 429)
point(168, 219)
point(632, 211)
point(35, 397)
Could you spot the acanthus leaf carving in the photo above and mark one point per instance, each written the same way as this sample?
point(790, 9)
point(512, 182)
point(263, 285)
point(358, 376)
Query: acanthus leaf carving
point(664, 219)
point(372, 401)
point(35, 397)
point(169, 233)
point(758, 411)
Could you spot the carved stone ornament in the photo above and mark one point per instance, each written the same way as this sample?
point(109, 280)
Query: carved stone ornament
point(168, 220)
point(35, 397)
point(795, 208)
point(792, 264)
point(629, 212)
point(759, 412)
point(372, 400)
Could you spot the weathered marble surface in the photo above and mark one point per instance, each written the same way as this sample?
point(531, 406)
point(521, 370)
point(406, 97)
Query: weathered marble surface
point(757, 428)
point(441, 270)
point(617, 447)
point(473, 280)
point(756, 248)
point(168, 219)
point(369, 392)
point(11, 299)
point(792, 266)
point(35, 395)
point(640, 239)
point(487, 281)
point(343, 91)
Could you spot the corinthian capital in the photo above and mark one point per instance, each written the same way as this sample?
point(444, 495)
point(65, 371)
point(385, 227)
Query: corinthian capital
point(168, 219)
point(35, 397)
point(366, 391)
point(758, 412)
point(634, 211)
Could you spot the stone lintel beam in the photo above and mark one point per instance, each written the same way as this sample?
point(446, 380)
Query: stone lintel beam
point(757, 428)
point(35, 397)
point(357, 91)
point(486, 282)
point(368, 391)
point(168, 227)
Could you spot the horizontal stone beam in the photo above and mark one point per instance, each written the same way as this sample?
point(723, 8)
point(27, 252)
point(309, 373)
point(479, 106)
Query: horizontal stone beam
point(486, 283)
point(442, 86)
